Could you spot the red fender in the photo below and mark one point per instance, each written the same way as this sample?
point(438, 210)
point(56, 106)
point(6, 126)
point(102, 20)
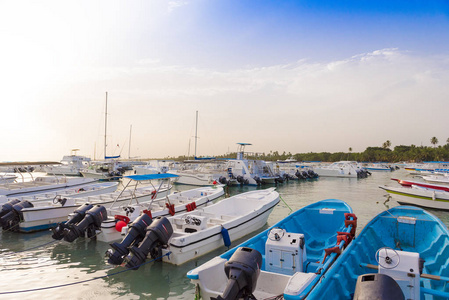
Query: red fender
point(148, 212)
point(122, 218)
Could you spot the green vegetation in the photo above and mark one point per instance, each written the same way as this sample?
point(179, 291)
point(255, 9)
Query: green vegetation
point(371, 154)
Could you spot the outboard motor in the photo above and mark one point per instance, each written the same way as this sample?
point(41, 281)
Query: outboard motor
point(279, 179)
point(305, 175)
point(157, 236)
point(136, 233)
point(299, 174)
point(7, 207)
point(258, 180)
point(377, 286)
point(222, 180)
point(242, 270)
point(312, 174)
point(91, 222)
point(12, 218)
point(240, 179)
point(75, 217)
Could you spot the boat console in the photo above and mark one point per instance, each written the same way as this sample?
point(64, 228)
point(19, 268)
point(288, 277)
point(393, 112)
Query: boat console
point(285, 252)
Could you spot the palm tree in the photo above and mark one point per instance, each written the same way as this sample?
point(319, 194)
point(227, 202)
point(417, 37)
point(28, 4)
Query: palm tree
point(386, 145)
point(434, 141)
point(447, 141)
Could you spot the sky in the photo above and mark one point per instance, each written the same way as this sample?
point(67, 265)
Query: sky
point(294, 76)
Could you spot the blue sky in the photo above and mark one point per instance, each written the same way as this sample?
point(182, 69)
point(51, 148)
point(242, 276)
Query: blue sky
point(294, 76)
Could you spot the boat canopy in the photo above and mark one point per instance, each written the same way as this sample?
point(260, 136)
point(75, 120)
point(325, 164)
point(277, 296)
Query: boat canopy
point(151, 176)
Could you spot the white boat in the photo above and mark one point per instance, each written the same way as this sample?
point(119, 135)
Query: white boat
point(443, 178)
point(419, 196)
point(43, 215)
point(7, 178)
point(378, 167)
point(153, 167)
point(173, 204)
point(71, 165)
point(106, 170)
point(346, 169)
point(42, 184)
point(187, 236)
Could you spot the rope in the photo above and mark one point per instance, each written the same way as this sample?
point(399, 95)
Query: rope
point(82, 281)
point(286, 204)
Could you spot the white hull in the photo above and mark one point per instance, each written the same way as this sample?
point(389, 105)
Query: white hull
point(240, 215)
point(436, 179)
point(46, 216)
point(199, 179)
point(42, 185)
point(200, 196)
point(419, 196)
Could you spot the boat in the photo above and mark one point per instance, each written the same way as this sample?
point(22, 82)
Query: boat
point(42, 184)
point(441, 178)
point(7, 178)
point(29, 217)
point(187, 236)
point(402, 253)
point(286, 260)
point(419, 196)
point(92, 189)
point(409, 183)
point(106, 170)
point(70, 165)
point(344, 169)
point(112, 229)
point(378, 167)
point(153, 167)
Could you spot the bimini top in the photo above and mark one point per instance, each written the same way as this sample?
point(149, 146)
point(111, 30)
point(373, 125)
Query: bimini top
point(151, 176)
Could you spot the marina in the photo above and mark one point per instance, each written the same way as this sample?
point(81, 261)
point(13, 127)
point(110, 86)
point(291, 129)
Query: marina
point(42, 265)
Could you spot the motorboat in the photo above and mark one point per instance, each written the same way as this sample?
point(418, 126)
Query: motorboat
point(106, 170)
point(400, 254)
point(70, 165)
point(42, 184)
point(440, 178)
point(346, 169)
point(29, 217)
point(187, 236)
point(286, 260)
point(378, 167)
point(409, 183)
point(7, 178)
point(115, 227)
point(419, 196)
point(153, 167)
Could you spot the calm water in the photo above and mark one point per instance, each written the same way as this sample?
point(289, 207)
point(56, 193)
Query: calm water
point(53, 269)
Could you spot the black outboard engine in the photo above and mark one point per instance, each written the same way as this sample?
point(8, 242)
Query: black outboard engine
point(222, 180)
point(258, 180)
point(240, 179)
point(91, 222)
point(377, 286)
point(305, 175)
point(312, 174)
point(299, 174)
point(75, 217)
point(12, 218)
point(135, 235)
point(157, 236)
point(7, 207)
point(242, 270)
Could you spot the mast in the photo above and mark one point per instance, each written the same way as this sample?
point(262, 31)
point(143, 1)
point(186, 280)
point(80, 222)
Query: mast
point(129, 150)
point(105, 124)
point(196, 131)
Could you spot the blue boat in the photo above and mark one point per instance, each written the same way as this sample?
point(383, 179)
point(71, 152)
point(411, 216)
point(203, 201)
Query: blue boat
point(288, 259)
point(401, 254)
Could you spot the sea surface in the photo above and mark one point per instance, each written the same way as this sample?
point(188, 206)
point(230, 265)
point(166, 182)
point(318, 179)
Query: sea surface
point(34, 266)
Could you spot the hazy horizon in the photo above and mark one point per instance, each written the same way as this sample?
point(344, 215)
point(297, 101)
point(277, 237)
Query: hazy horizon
point(293, 76)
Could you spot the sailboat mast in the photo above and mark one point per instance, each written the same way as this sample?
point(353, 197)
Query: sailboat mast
point(105, 124)
point(129, 150)
point(196, 131)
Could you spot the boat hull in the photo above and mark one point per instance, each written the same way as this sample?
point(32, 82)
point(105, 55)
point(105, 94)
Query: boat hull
point(419, 197)
point(42, 218)
point(404, 228)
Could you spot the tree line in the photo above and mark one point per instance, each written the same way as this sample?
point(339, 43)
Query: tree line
point(399, 153)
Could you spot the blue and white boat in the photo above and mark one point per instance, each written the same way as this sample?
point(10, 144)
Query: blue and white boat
point(286, 260)
point(400, 254)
